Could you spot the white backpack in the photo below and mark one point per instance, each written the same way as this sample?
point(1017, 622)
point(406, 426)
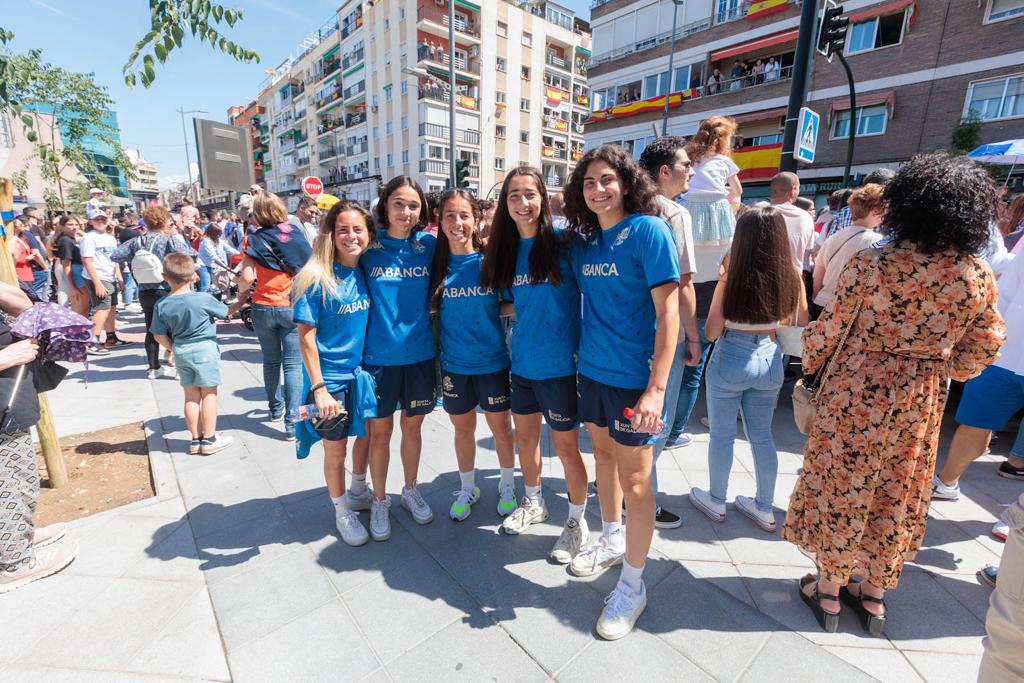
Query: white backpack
point(147, 269)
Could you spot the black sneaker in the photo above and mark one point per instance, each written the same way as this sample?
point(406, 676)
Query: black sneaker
point(1010, 472)
point(663, 519)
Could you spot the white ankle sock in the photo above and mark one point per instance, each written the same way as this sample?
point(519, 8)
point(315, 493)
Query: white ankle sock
point(340, 506)
point(612, 533)
point(533, 493)
point(576, 511)
point(468, 479)
point(632, 576)
point(508, 476)
point(358, 484)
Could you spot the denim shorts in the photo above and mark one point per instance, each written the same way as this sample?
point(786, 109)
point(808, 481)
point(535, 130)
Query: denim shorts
point(991, 399)
point(198, 364)
point(77, 279)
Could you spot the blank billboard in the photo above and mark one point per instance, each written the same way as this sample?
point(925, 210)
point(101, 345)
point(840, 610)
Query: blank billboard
point(225, 156)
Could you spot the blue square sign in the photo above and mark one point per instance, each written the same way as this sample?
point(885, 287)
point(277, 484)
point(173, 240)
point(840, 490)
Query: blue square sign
point(807, 135)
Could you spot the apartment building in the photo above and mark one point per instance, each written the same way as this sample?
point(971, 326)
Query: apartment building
point(921, 66)
point(145, 189)
point(366, 97)
point(252, 117)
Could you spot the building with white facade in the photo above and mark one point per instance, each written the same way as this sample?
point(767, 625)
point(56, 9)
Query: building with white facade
point(146, 187)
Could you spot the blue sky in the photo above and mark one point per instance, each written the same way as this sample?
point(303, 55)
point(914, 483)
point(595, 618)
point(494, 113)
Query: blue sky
point(98, 35)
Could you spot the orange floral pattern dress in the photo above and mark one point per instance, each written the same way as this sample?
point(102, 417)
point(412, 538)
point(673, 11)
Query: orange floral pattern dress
point(861, 504)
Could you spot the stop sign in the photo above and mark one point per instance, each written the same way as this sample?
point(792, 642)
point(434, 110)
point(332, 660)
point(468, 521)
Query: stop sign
point(312, 186)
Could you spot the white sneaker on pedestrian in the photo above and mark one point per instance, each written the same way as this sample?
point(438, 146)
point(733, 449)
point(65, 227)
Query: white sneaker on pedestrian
point(574, 536)
point(351, 529)
point(621, 610)
point(169, 371)
point(412, 500)
point(380, 519)
point(529, 512)
point(215, 443)
point(151, 374)
point(507, 503)
point(941, 491)
point(596, 558)
point(765, 520)
point(359, 501)
point(48, 535)
point(712, 509)
point(45, 562)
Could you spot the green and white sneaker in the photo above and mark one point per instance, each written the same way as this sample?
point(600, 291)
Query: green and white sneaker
point(529, 512)
point(464, 500)
point(506, 500)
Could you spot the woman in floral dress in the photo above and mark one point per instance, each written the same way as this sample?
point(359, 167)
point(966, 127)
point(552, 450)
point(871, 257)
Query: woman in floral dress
point(923, 310)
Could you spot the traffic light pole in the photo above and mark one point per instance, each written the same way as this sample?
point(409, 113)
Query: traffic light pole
point(798, 89)
point(853, 119)
point(453, 148)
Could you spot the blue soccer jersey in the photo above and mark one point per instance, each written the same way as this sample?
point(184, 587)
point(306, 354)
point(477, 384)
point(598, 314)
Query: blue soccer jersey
point(340, 320)
point(472, 340)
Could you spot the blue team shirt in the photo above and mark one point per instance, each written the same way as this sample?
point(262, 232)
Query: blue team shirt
point(616, 269)
point(472, 340)
point(340, 320)
point(398, 276)
point(547, 330)
point(188, 317)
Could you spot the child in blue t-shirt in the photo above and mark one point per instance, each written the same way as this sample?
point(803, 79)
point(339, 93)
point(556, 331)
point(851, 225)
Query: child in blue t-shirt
point(187, 318)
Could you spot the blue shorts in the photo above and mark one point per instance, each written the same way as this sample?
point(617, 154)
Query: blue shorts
point(555, 398)
point(404, 387)
point(77, 279)
point(602, 405)
point(198, 364)
point(990, 399)
point(340, 430)
point(463, 393)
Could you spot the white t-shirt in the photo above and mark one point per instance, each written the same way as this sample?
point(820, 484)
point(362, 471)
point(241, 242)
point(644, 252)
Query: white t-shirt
point(800, 227)
point(678, 219)
point(99, 246)
point(836, 253)
point(710, 174)
point(1011, 305)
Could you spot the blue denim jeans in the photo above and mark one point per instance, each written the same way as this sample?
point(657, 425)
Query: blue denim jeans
point(41, 284)
point(680, 402)
point(205, 278)
point(131, 289)
point(279, 342)
point(744, 373)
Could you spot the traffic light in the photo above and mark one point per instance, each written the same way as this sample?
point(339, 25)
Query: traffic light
point(832, 32)
point(461, 173)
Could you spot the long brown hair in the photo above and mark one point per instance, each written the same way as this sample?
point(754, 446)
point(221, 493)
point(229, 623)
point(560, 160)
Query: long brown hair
point(638, 190)
point(762, 285)
point(439, 269)
point(499, 267)
point(713, 137)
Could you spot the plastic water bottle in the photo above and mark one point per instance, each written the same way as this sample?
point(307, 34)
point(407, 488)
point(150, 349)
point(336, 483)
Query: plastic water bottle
point(302, 413)
point(628, 413)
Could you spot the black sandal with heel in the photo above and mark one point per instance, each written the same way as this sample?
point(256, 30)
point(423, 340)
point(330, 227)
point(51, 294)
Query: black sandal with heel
point(828, 621)
point(873, 624)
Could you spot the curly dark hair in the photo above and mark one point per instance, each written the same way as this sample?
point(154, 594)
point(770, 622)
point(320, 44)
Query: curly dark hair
point(939, 201)
point(639, 192)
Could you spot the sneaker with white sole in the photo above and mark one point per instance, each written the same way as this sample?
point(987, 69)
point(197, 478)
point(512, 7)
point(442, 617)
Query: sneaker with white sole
point(150, 374)
point(529, 512)
point(45, 562)
point(195, 446)
point(169, 371)
point(215, 443)
point(711, 508)
point(574, 536)
point(412, 500)
point(351, 529)
point(1010, 472)
point(666, 519)
point(359, 501)
point(463, 503)
point(940, 491)
point(380, 519)
point(507, 503)
point(596, 558)
point(1001, 530)
point(48, 535)
point(621, 610)
point(765, 520)
point(681, 441)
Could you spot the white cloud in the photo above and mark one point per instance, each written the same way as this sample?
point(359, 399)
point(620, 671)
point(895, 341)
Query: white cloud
point(50, 8)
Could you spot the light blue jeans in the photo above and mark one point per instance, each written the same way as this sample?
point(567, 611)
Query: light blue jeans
point(744, 373)
point(205, 278)
point(279, 342)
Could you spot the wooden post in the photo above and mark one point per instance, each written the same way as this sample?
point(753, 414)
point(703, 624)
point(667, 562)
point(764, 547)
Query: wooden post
point(58, 473)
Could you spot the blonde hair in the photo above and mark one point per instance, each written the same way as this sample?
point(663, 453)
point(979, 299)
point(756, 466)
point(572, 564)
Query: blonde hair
point(713, 137)
point(319, 269)
point(179, 268)
point(864, 200)
point(268, 209)
point(156, 217)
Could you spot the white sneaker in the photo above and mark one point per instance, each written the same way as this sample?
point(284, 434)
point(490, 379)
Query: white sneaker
point(45, 562)
point(212, 444)
point(621, 610)
point(463, 504)
point(380, 519)
point(765, 520)
point(941, 491)
point(574, 536)
point(359, 501)
point(48, 535)
point(351, 529)
point(529, 512)
point(712, 509)
point(412, 500)
point(169, 371)
point(506, 500)
point(151, 374)
point(682, 441)
point(596, 558)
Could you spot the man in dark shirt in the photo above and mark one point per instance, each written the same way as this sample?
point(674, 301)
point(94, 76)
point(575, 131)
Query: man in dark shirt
point(35, 238)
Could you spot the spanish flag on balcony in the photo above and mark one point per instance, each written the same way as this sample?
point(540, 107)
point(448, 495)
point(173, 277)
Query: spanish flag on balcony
point(554, 96)
point(642, 106)
point(760, 162)
point(764, 8)
point(549, 151)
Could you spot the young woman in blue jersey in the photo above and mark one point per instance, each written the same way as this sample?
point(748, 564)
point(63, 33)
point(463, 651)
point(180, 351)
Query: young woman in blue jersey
point(474, 357)
point(332, 308)
point(628, 272)
point(530, 262)
point(400, 355)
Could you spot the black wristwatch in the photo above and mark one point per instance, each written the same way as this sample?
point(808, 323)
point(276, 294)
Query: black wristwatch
point(318, 385)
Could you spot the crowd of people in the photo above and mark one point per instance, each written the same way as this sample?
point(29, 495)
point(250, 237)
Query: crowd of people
point(606, 306)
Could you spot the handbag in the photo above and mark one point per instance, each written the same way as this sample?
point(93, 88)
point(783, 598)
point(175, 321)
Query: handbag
point(790, 340)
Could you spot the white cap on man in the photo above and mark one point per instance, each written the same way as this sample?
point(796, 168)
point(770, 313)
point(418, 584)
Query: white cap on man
point(95, 190)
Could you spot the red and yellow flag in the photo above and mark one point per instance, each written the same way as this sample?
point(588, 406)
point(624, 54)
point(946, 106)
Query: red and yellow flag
point(764, 8)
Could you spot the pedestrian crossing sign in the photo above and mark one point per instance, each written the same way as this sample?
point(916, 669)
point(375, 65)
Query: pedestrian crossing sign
point(807, 135)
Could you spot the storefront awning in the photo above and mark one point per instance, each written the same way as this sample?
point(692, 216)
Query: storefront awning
point(756, 44)
point(887, 97)
point(879, 10)
point(760, 115)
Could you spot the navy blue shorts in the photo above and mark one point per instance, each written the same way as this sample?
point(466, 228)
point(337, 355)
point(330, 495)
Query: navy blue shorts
point(602, 405)
point(555, 398)
point(463, 393)
point(404, 387)
point(339, 432)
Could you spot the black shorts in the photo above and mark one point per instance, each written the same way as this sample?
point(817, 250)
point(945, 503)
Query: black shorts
point(101, 303)
point(554, 397)
point(463, 393)
point(339, 432)
point(602, 405)
point(404, 387)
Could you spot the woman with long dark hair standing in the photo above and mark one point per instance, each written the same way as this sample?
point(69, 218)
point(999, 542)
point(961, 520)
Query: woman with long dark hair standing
point(531, 261)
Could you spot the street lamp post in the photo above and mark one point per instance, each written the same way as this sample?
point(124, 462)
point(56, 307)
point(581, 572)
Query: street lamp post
point(671, 58)
point(449, 87)
point(453, 152)
point(188, 159)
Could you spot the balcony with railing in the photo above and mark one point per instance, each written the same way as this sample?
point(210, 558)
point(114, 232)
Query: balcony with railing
point(557, 61)
point(556, 123)
point(353, 58)
point(437, 15)
point(442, 167)
point(554, 152)
point(327, 151)
point(441, 58)
point(470, 137)
point(358, 148)
point(329, 123)
point(351, 24)
point(301, 162)
point(431, 91)
point(355, 119)
point(333, 94)
point(354, 91)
